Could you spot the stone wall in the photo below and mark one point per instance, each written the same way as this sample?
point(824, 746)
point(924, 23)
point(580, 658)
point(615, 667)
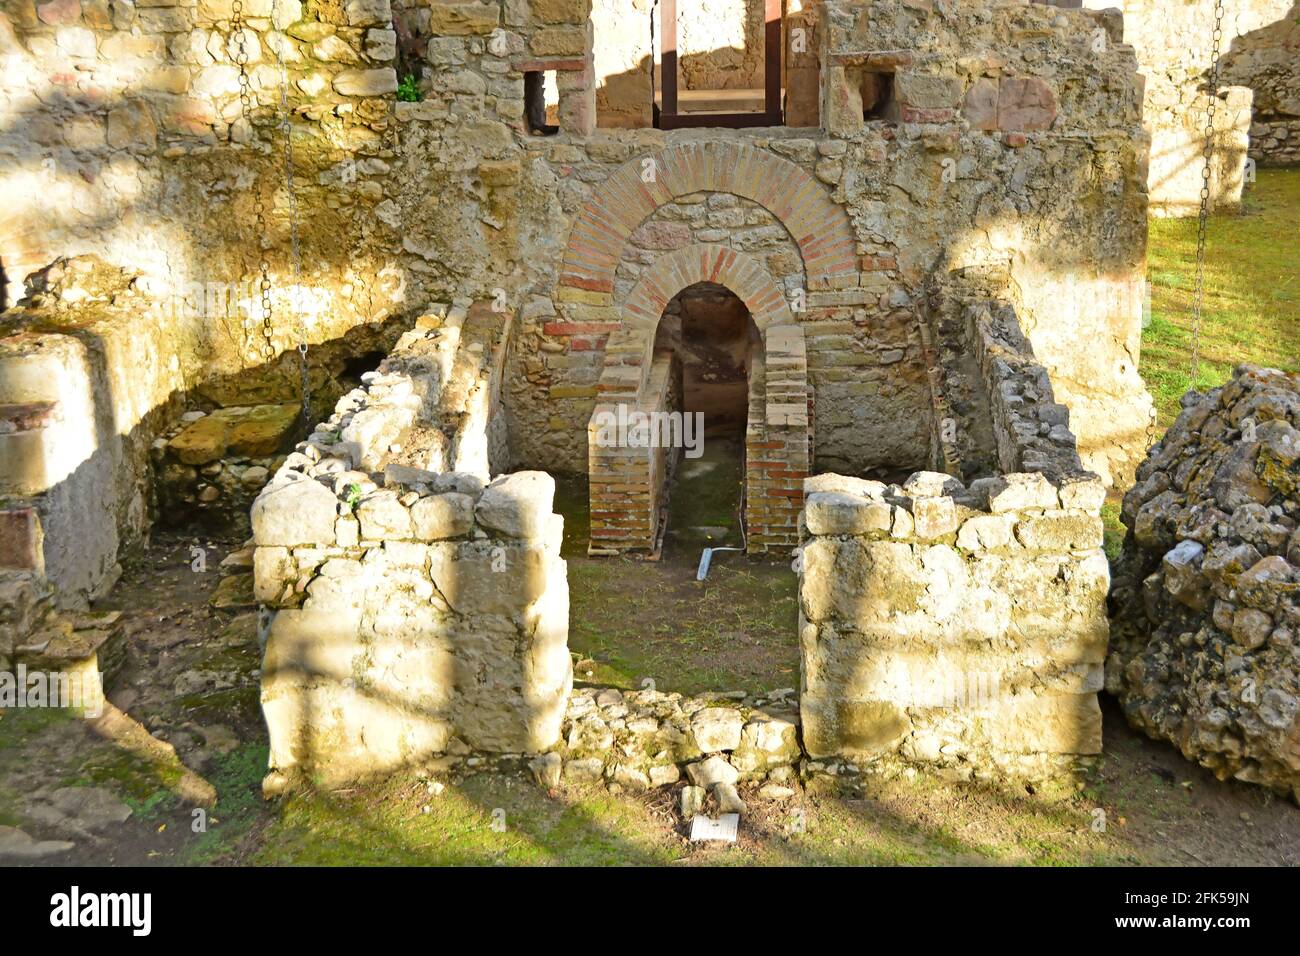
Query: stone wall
point(1173, 44)
point(1206, 599)
point(953, 626)
point(417, 607)
point(1011, 131)
point(961, 624)
point(1267, 59)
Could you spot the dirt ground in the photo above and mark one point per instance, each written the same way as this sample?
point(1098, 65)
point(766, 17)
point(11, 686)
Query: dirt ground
point(191, 679)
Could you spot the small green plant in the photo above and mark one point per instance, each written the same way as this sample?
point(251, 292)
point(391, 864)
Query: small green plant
point(353, 495)
point(408, 90)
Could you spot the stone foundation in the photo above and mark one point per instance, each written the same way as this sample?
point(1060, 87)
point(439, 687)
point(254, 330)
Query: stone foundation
point(961, 626)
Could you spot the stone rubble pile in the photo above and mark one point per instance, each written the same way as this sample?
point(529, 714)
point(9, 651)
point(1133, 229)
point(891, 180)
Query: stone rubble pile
point(1206, 597)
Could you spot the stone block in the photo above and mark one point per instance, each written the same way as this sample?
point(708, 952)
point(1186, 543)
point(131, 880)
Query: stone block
point(717, 729)
point(1061, 531)
point(1026, 103)
point(442, 516)
point(366, 82)
point(1018, 491)
point(518, 505)
point(934, 517)
point(463, 19)
point(383, 516)
point(290, 513)
point(833, 512)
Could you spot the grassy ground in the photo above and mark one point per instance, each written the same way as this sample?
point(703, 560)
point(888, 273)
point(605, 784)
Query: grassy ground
point(1252, 300)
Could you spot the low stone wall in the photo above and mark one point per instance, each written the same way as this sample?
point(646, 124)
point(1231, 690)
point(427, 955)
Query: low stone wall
point(953, 626)
point(416, 607)
point(636, 740)
point(1206, 598)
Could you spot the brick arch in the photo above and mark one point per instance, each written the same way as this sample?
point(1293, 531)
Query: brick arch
point(626, 484)
point(627, 353)
point(820, 227)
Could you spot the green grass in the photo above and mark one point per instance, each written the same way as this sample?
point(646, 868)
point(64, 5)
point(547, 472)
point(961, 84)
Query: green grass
point(1251, 310)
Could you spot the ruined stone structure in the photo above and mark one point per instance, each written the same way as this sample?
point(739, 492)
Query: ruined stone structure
point(939, 258)
point(1267, 59)
point(1257, 106)
point(961, 626)
point(1207, 590)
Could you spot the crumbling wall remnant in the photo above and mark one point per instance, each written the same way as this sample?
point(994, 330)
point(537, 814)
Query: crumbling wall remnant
point(417, 607)
point(961, 626)
point(1206, 600)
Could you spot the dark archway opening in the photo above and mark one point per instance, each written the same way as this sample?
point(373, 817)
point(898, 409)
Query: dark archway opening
point(711, 332)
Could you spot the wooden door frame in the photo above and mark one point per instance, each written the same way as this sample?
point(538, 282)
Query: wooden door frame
point(772, 114)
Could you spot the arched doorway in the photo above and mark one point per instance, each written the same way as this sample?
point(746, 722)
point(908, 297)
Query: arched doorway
point(709, 330)
point(630, 476)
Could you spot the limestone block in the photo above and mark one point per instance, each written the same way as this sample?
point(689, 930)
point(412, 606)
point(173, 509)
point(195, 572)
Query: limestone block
point(518, 505)
point(561, 11)
point(931, 484)
point(1060, 531)
point(1047, 723)
point(254, 432)
point(1082, 493)
point(717, 728)
point(362, 13)
point(273, 570)
point(934, 517)
point(463, 19)
point(844, 484)
point(442, 516)
point(833, 726)
point(291, 513)
point(986, 532)
point(382, 516)
point(306, 645)
point(927, 91)
point(560, 41)
point(1018, 491)
point(366, 82)
point(710, 771)
point(834, 512)
point(766, 743)
point(491, 578)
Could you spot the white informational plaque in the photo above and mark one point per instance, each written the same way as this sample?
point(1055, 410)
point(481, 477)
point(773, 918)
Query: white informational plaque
point(723, 828)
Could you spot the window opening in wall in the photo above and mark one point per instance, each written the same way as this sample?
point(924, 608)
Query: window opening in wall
point(878, 102)
point(710, 331)
point(541, 102)
point(720, 63)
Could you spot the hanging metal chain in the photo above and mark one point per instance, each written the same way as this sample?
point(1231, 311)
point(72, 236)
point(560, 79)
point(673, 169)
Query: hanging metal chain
point(1203, 221)
point(294, 243)
point(237, 27)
